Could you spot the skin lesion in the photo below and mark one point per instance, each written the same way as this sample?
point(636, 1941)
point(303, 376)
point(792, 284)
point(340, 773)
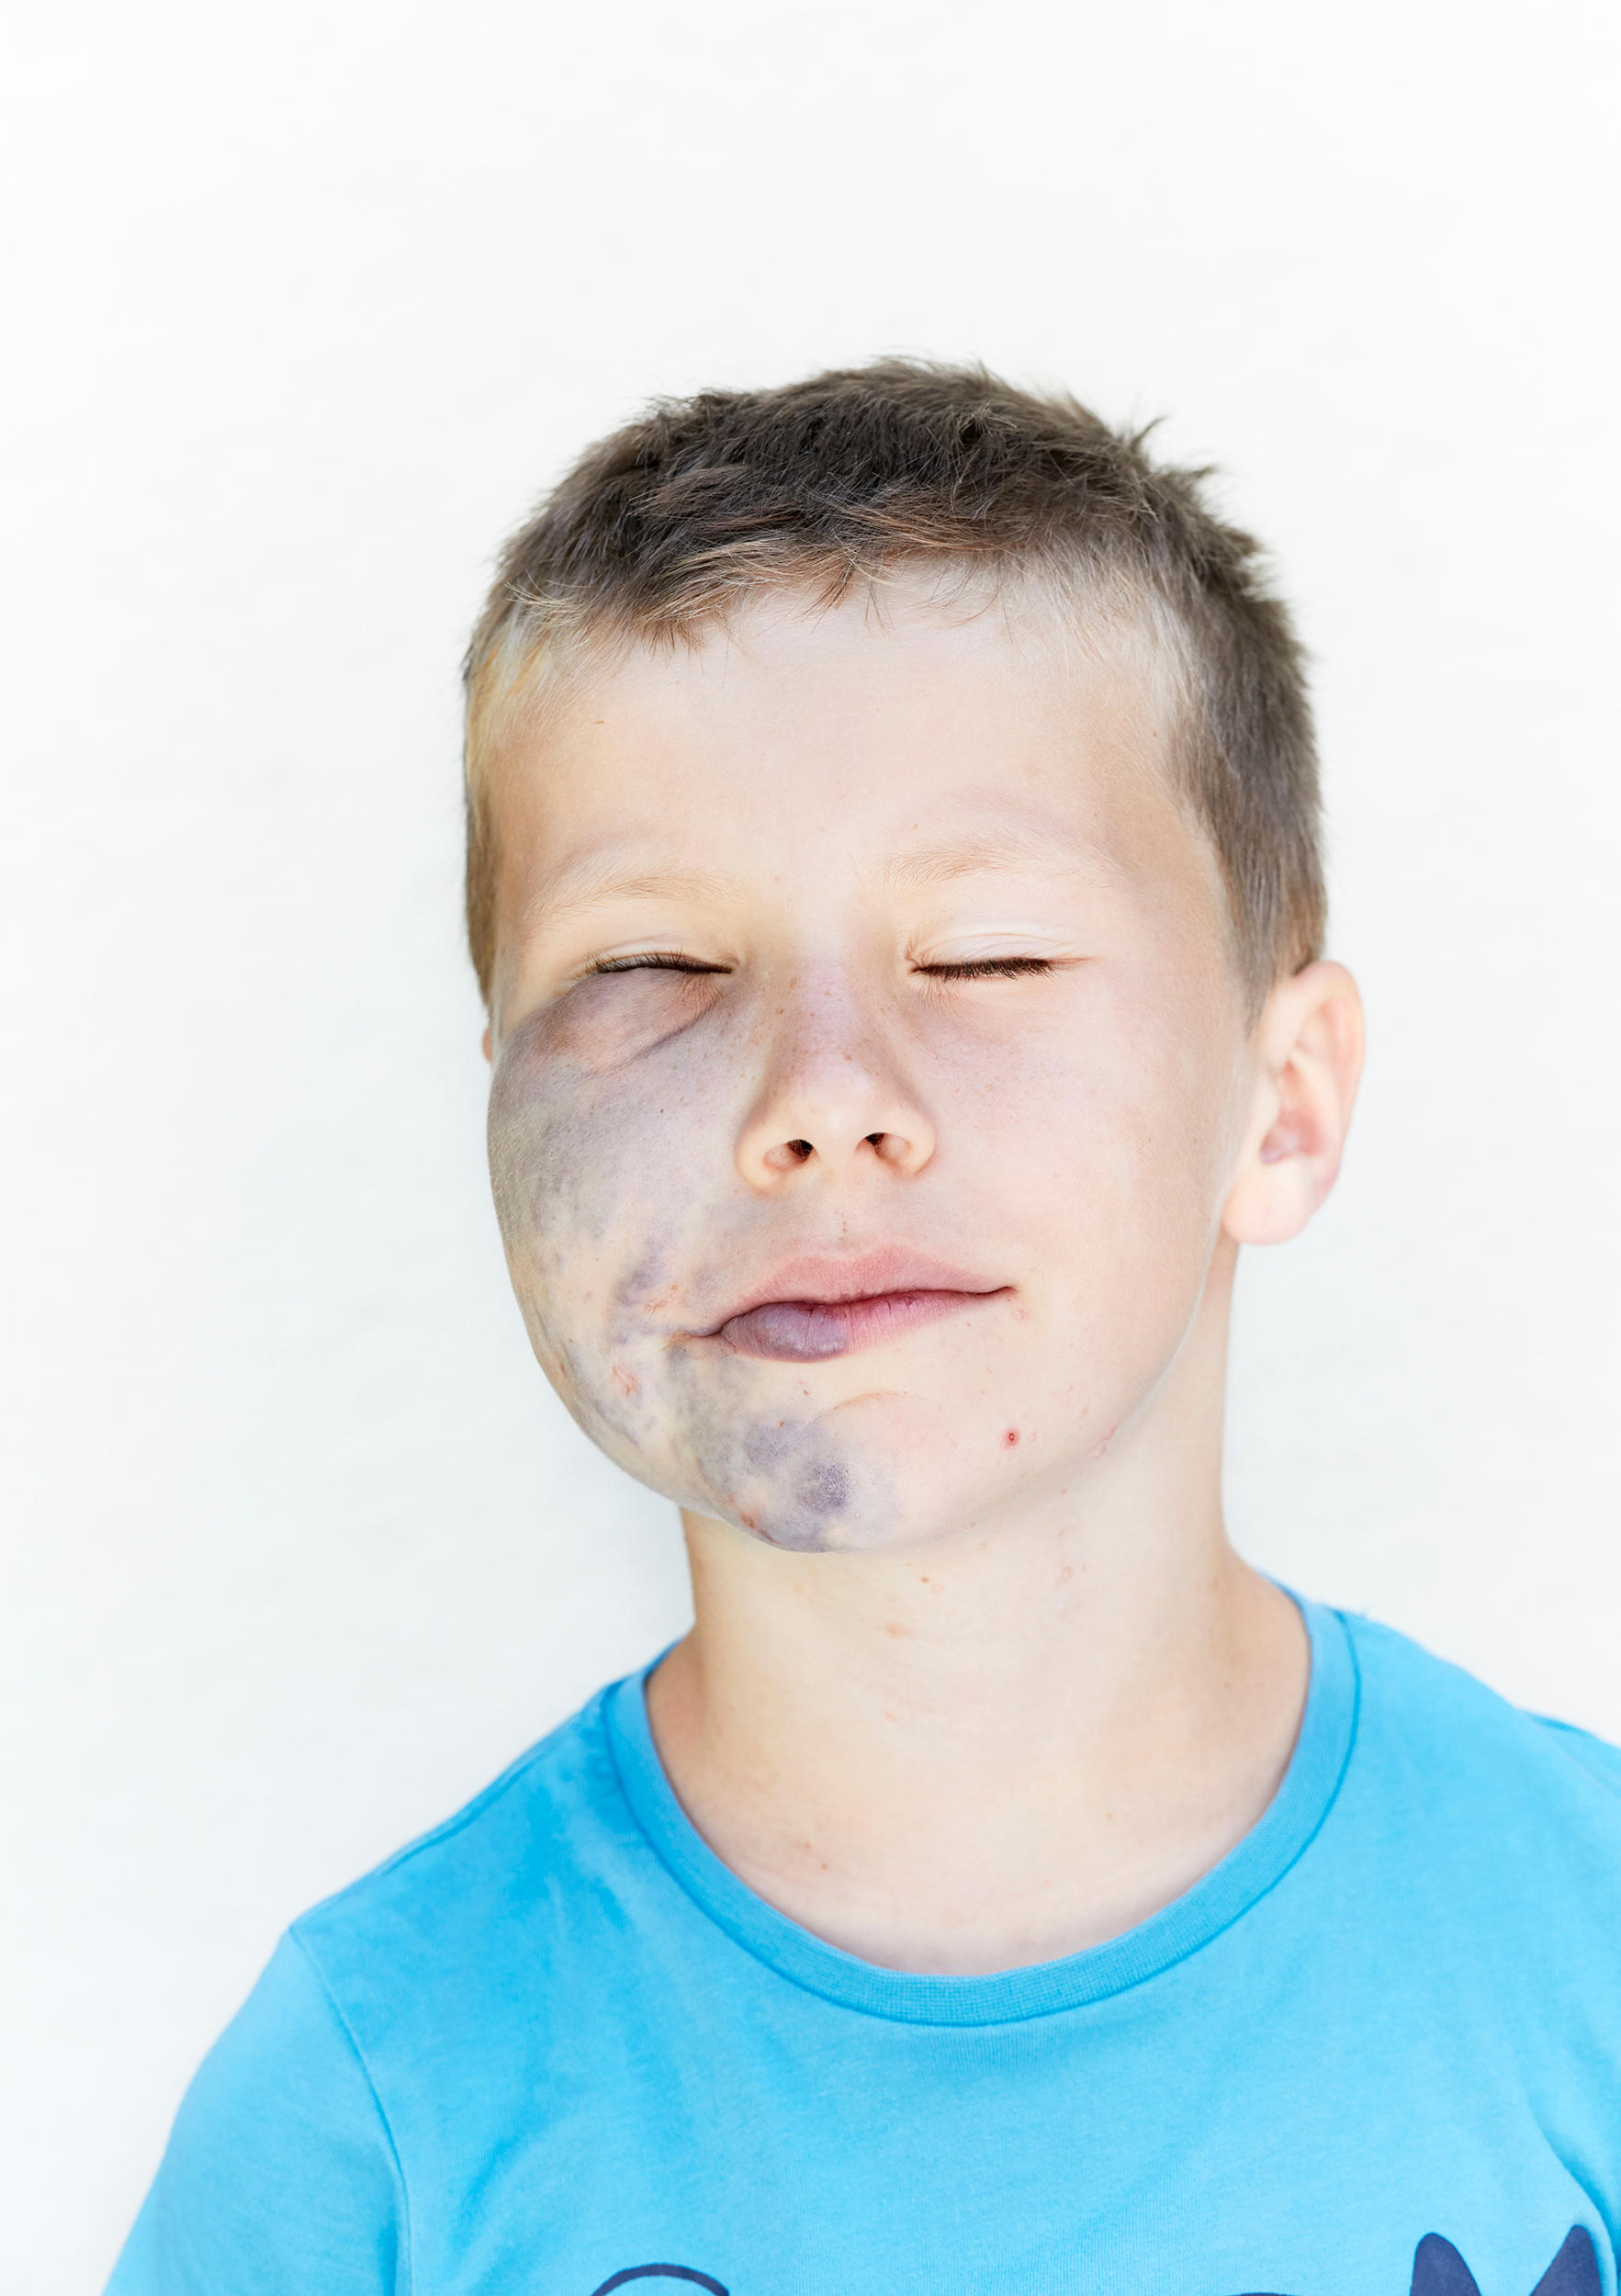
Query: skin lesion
point(614, 1015)
point(789, 1482)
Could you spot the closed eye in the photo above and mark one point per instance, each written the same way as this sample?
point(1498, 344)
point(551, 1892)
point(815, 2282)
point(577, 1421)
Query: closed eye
point(656, 961)
point(987, 969)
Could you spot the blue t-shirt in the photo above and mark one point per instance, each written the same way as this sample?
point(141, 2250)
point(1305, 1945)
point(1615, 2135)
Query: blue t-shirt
point(557, 2047)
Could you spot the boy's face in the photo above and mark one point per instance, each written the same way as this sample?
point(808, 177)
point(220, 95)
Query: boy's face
point(871, 1066)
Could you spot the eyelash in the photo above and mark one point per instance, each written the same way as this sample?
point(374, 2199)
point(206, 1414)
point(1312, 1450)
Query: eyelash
point(982, 969)
point(989, 969)
point(656, 961)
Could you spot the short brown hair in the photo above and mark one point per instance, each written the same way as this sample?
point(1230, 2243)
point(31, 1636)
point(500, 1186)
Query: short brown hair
point(680, 518)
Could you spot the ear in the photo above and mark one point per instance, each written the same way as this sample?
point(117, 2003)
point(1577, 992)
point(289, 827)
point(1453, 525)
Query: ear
point(1306, 1058)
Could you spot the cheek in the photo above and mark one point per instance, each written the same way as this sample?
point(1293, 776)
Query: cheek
point(1151, 1181)
point(614, 1185)
point(594, 1105)
point(595, 1172)
point(615, 1191)
point(1104, 1135)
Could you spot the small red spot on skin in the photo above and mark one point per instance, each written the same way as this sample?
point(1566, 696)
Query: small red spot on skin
point(750, 1522)
point(1066, 1570)
point(625, 1381)
point(1011, 1437)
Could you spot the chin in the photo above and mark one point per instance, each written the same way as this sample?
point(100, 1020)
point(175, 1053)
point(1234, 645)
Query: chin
point(881, 1471)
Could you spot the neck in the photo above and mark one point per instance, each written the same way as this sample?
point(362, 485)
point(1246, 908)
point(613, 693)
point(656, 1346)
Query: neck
point(998, 1746)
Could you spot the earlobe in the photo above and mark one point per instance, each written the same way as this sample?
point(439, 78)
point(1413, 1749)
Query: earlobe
point(1307, 1059)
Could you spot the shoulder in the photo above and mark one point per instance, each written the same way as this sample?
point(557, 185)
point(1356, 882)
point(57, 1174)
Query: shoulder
point(506, 1897)
point(1515, 1800)
point(296, 2143)
point(1454, 1719)
point(1478, 1853)
point(281, 2173)
point(1595, 1755)
point(556, 1810)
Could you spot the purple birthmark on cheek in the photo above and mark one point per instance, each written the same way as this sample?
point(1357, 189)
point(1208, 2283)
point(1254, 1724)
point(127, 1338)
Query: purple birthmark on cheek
point(606, 1196)
point(561, 1199)
point(612, 1117)
point(618, 1199)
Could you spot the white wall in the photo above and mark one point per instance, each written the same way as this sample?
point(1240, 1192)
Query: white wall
point(313, 299)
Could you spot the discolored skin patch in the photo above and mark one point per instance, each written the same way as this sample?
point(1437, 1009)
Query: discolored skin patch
point(594, 1223)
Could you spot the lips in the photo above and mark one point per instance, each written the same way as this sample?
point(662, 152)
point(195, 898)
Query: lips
point(815, 1307)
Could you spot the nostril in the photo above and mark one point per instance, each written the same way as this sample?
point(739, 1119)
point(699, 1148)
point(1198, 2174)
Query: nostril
point(874, 1140)
point(800, 1148)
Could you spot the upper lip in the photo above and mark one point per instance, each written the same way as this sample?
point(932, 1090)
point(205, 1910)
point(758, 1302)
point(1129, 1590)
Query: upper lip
point(825, 1278)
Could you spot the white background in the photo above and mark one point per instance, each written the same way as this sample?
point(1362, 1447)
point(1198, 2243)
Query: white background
point(309, 302)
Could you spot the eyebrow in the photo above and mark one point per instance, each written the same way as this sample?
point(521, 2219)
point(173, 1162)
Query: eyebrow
point(979, 851)
point(597, 878)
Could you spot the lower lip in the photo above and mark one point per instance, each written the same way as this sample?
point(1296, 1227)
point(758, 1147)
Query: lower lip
point(808, 1330)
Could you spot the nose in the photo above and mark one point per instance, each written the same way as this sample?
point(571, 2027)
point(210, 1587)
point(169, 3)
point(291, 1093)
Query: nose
point(834, 1093)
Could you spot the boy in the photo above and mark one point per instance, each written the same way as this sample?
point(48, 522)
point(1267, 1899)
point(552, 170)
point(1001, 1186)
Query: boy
point(893, 880)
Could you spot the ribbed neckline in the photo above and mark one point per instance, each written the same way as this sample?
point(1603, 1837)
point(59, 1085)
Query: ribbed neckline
point(1254, 1865)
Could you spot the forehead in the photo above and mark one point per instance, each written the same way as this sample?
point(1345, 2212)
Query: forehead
point(889, 737)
